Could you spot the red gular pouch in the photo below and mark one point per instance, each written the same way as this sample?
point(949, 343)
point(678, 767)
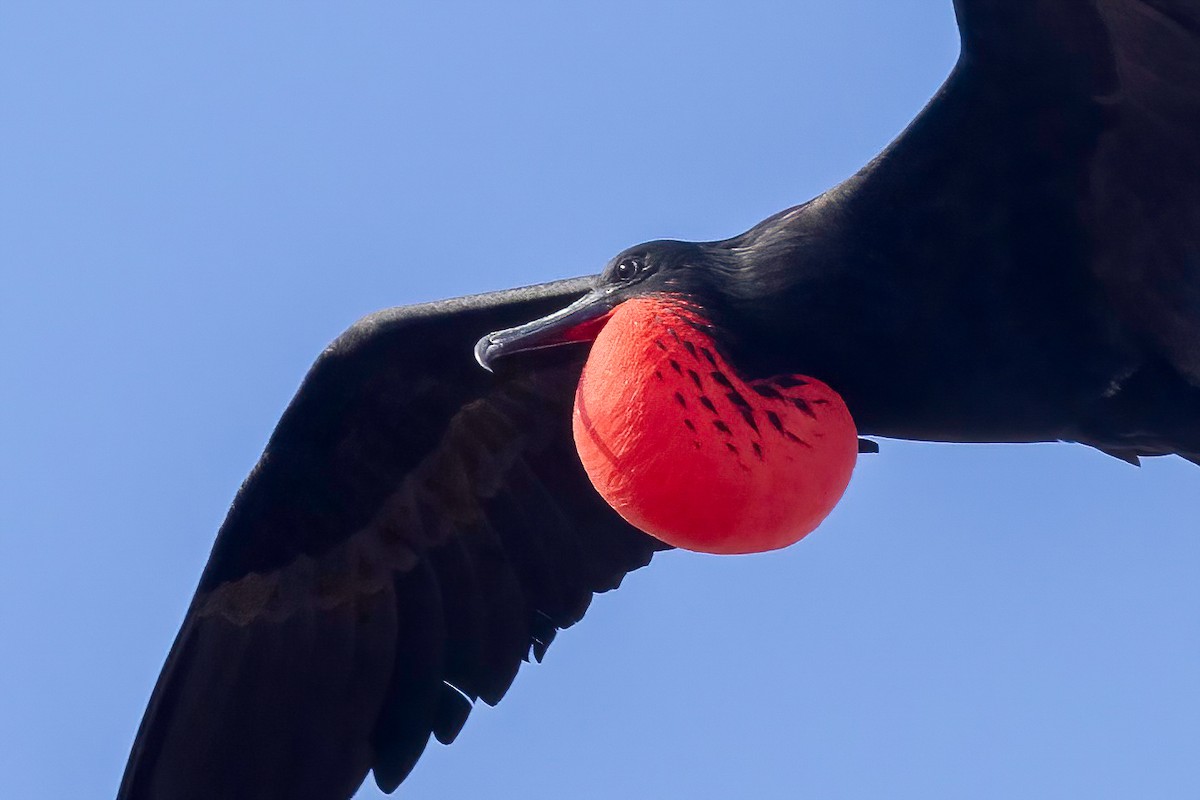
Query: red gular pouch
point(688, 452)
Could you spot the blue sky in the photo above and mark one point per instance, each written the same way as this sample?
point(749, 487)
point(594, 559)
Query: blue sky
point(196, 197)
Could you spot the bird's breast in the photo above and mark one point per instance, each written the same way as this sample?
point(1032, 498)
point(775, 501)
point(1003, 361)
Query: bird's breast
point(685, 450)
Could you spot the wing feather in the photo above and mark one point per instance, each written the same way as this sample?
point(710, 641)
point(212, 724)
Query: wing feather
point(1136, 65)
point(1045, 206)
point(395, 555)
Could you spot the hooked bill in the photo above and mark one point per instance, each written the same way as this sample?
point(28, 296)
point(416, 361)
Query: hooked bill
point(687, 451)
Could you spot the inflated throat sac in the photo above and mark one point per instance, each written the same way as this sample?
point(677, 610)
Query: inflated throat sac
point(686, 451)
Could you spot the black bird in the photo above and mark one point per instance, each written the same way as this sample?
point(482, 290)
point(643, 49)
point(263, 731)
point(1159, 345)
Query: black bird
point(1022, 264)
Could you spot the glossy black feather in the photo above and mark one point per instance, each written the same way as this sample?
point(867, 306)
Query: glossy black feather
point(393, 556)
point(1023, 263)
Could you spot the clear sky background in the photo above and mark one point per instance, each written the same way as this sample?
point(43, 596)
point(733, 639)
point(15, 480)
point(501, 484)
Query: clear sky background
point(196, 197)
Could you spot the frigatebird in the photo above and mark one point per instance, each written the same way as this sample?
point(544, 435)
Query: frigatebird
point(1021, 265)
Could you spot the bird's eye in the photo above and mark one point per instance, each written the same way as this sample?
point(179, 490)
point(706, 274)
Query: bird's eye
point(628, 268)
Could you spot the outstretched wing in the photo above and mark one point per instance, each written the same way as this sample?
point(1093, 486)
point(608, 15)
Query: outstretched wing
point(1129, 69)
point(415, 529)
point(1045, 207)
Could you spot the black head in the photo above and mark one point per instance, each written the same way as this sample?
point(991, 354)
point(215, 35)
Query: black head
point(691, 273)
point(665, 266)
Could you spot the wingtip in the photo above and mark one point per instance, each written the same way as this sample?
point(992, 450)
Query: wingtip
point(1128, 456)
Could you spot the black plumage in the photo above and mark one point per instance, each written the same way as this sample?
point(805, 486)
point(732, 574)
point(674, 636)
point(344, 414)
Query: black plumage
point(1023, 264)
